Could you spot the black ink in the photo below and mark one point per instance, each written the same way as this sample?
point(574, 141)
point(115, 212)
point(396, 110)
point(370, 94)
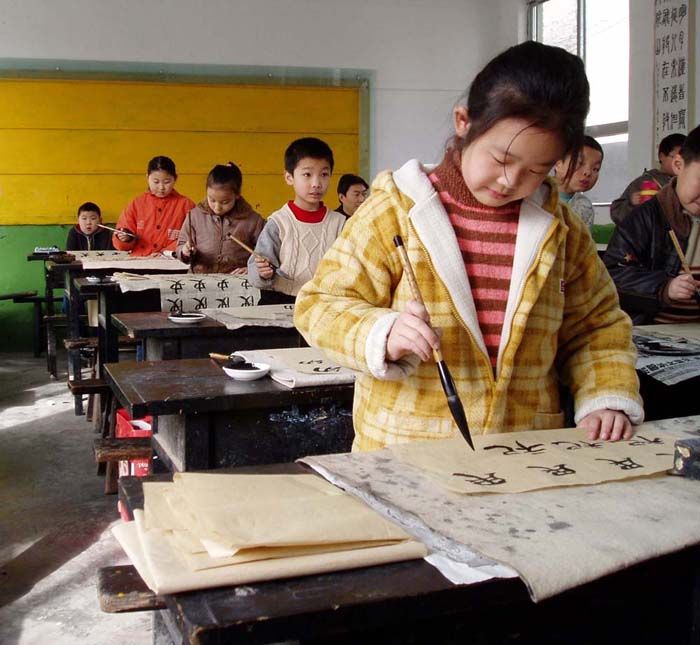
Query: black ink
point(521, 448)
point(639, 440)
point(176, 286)
point(490, 479)
point(560, 470)
point(625, 464)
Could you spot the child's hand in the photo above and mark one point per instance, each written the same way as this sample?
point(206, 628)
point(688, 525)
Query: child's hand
point(188, 251)
point(682, 287)
point(635, 198)
point(607, 425)
point(240, 271)
point(124, 235)
point(411, 334)
point(265, 270)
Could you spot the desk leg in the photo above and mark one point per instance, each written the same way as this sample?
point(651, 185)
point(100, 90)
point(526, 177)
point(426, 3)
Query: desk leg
point(109, 336)
point(184, 442)
point(73, 315)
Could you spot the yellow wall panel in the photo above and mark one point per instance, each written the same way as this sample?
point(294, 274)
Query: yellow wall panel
point(124, 105)
point(103, 151)
point(53, 199)
point(66, 142)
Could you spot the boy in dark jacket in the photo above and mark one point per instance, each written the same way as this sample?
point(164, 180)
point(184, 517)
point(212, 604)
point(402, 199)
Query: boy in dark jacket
point(86, 235)
point(641, 257)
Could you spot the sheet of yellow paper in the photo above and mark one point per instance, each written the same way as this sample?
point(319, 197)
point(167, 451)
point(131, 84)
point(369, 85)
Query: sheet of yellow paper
point(248, 511)
point(516, 462)
point(165, 571)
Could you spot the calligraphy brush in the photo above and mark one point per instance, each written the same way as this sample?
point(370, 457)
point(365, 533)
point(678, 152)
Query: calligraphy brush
point(242, 244)
point(684, 261)
point(116, 230)
point(448, 384)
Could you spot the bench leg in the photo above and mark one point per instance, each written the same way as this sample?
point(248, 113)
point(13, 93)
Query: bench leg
point(38, 317)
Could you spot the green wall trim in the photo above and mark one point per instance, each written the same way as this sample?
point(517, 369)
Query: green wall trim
point(17, 274)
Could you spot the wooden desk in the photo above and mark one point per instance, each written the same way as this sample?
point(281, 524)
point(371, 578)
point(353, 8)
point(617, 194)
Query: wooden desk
point(410, 602)
point(207, 420)
point(165, 340)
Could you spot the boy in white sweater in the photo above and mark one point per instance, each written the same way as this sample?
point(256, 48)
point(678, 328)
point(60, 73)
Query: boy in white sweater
point(297, 236)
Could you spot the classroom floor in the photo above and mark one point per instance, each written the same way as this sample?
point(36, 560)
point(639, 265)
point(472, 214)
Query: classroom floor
point(54, 518)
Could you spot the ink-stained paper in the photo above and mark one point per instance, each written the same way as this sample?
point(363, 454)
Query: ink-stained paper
point(262, 527)
point(258, 316)
point(516, 462)
point(100, 256)
point(194, 292)
point(667, 357)
point(301, 366)
point(130, 263)
point(555, 538)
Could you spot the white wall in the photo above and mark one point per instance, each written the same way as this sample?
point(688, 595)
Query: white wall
point(641, 153)
point(423, 52)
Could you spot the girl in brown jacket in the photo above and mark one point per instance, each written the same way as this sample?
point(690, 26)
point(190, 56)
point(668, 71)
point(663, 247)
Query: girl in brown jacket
point(203, 238)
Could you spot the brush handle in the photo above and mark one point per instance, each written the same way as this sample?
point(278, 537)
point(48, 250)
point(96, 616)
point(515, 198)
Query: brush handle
point(684, 260)
point(413, 283)
point(219, 357)
point(242, 244)
point(116, 230)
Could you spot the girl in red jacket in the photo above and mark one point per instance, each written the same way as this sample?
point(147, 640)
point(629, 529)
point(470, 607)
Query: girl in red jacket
point(151, 222)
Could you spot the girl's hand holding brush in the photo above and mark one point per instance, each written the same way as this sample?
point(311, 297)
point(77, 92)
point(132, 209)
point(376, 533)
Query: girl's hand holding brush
point(412, 334)
point(265, 270)
point(188, 250)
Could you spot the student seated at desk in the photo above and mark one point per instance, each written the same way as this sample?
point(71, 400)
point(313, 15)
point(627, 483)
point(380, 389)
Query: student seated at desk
point(650, 181)
point(154, 218)
point(297, 235)
point(583, 179)
point(509, 275)
point(203, 239)
point(87, 235)
point(641, 257)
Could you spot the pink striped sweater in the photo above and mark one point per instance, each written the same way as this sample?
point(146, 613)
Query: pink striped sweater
point(486, 237)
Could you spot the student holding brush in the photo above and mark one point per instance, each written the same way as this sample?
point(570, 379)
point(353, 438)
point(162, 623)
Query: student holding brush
point(642, 255)
point(151, 222)
point(516, 298)
point(89, 234)
point(204, 238)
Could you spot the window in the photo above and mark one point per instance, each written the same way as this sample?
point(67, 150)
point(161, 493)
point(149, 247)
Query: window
point(598, 32)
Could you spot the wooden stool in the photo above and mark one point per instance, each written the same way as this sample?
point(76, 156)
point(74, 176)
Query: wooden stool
point(121, 589)
point(112, 451)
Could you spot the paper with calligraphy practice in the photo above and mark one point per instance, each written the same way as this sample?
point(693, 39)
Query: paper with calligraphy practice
point(259, 316)
point(195, 292)
point(301, 366)
point(555, 538)
point(130, 263)
point(516, 462)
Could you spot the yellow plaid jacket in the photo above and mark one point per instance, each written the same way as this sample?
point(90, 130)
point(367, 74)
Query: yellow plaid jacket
point(562, 323)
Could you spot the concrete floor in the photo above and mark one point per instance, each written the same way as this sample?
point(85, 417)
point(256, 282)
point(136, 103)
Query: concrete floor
point(54, 518)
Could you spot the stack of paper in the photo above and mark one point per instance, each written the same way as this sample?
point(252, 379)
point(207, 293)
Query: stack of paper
point(206, 530)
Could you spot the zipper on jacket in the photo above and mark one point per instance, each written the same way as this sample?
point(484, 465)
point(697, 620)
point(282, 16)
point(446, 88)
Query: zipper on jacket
point(452, 305)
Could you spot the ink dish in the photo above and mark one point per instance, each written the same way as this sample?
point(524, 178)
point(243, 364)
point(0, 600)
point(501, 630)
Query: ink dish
point(245, 371)
point(186, 319)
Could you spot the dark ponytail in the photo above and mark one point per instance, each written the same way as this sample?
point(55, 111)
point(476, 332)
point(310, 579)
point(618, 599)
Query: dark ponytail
point(229, 175)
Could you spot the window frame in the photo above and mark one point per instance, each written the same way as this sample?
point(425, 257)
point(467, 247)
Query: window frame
point(534, 32)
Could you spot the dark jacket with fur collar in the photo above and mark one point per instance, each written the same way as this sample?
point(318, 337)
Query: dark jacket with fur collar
point(640, 256)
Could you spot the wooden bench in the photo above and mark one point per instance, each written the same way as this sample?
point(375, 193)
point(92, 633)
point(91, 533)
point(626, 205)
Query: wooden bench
point(38, 302)
point(121, 589)
point(112, 451)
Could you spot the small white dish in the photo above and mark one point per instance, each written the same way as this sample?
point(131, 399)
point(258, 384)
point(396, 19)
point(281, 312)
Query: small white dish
point(261, 369)
point(93, 279)
point(186, 319)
